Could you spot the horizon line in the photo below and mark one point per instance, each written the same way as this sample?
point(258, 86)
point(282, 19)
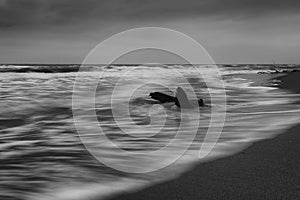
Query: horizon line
point(150, 64)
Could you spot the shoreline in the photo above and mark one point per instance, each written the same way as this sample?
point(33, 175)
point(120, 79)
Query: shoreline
point(265, 170)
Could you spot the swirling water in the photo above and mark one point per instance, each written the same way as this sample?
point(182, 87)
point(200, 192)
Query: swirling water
point(43, 157)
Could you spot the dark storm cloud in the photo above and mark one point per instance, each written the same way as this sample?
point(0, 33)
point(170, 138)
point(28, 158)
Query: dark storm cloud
point(64, 31)
point(19, 13)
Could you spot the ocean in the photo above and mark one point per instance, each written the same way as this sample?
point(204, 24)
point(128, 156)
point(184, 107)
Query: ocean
point(43, 155)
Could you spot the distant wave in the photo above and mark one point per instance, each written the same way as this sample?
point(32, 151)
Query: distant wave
point(39, 68)
point(42, 157)
point(67, 68)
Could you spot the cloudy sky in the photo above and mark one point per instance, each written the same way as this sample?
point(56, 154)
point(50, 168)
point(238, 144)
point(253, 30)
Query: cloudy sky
point(232, 31)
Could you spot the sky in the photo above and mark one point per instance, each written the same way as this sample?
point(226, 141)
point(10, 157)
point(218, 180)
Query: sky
point(232, 31)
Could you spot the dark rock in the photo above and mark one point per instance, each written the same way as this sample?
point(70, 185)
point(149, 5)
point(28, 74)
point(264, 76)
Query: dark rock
point(161, 97)
point(201, 102)
point(164, 98)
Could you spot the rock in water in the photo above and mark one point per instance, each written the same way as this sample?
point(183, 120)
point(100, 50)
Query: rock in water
point(161, 97)
point(201, 102)
point(182, 99)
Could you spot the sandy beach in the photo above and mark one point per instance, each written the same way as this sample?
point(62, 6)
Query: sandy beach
point(268, 169)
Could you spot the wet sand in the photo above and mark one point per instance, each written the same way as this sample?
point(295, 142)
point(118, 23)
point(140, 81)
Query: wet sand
point(291, 82)
point(268, 169)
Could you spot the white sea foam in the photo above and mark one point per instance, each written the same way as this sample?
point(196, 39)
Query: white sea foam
point(41, 106)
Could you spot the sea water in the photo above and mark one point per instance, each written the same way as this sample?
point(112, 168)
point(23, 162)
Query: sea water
point(42, 155)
